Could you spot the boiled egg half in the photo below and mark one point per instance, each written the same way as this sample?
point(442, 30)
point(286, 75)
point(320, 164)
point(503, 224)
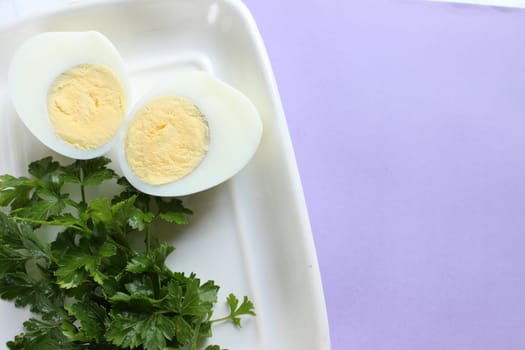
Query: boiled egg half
point(187, 135)
point(71, 91)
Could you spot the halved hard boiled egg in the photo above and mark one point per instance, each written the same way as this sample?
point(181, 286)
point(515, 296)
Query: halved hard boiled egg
point(188, 135)
point(71, 91)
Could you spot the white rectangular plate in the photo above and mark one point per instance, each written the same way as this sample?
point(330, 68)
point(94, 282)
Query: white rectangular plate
point(251, 234)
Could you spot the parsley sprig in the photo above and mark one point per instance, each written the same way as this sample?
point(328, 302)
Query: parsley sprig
point(88, 288)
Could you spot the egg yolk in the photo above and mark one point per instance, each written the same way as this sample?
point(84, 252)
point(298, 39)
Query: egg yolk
point(166, 140)
point(86, 105)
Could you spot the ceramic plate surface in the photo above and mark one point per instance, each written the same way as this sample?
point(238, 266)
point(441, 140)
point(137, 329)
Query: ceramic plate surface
point(251, 234)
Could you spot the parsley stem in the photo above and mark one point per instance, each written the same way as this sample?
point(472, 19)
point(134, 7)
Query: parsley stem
point(225, 318)
point(83, 193)
point(195, 337)
point(50, 223)
point(148, 238)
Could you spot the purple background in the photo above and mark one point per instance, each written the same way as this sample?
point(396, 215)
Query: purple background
point(408, 122)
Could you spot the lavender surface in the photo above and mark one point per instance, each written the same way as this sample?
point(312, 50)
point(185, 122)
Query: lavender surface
point(408, 123)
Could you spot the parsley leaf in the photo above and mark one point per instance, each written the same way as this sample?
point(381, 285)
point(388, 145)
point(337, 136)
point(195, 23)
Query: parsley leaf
point(92, 318)
point(15, 192)
point(173, 211)
point(88, 172)
point(42, 168)
point(213, 347)
point(42, 296)
point(42, 209)
point(236, 310)
point(89, 288)
point(41, 335)
point(152, 261)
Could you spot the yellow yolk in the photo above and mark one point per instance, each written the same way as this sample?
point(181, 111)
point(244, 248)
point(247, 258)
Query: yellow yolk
point(166, 140)
point(86, 105)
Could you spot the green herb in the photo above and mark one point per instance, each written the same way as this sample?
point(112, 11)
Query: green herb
point(89, 288)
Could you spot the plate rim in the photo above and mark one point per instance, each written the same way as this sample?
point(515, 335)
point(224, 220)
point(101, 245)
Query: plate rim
point(245, 14)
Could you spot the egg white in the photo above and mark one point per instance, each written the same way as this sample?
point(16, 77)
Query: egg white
point(235, 130)
point(36, 65)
